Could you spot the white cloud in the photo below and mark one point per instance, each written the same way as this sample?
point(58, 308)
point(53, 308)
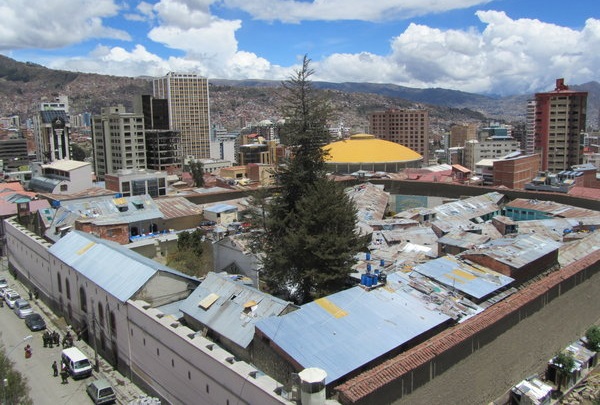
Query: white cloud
point(330, 10)
point(55, 24)
point(508, 57)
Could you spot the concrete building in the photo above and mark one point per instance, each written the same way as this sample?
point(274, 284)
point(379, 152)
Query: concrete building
point(61, 177)
point(119, 141)
point(461, 133)
point(13, 153)
point(189, 111)
point(489, 148)
point(407, 127)
point(560, 119)
point(132, 182)
point(163, 146)
point(51, 128)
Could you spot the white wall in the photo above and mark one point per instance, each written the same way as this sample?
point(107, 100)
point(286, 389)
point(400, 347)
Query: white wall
point(175, 363)
point(183, 369)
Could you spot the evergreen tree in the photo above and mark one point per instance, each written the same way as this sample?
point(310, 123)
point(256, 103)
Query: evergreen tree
point(197, 171)
point(310, 237)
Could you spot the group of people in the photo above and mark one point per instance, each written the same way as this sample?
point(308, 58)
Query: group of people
point(53, 338)
point(64, 373)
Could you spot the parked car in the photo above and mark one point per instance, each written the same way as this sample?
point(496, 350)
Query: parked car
point(34, 321)
point(3, 282)
point(3, 291)
point(10, 297)
point(22, 308)
point(101, 392)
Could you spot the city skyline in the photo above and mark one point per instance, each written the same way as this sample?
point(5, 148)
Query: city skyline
point(481, 46)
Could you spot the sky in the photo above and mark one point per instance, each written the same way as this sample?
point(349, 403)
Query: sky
point(496, 47)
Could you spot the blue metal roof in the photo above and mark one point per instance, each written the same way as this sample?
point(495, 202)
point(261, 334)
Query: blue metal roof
point(473, 281)
point(117, 270)
point(349, 329)
point(235, 311)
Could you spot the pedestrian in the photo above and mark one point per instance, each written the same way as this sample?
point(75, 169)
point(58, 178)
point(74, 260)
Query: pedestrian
point(27, 351)
point(64, 374)
point(55, 368)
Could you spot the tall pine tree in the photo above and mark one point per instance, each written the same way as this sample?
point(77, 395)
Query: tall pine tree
point(310, 235)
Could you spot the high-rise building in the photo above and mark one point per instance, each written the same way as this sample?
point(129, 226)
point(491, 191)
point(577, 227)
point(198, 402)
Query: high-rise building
point(560, 119)
point(188, 105)
point(163, 145)
point(51, 125)
point(408, 127)
point(461, 133)
point(119, 141)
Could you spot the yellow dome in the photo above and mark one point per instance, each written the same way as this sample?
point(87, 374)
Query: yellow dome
point(363, 148)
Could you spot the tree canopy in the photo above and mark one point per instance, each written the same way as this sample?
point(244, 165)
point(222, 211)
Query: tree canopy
point(309, 237)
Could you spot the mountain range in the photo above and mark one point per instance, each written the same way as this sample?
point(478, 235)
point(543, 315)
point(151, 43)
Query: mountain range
point(235, 103)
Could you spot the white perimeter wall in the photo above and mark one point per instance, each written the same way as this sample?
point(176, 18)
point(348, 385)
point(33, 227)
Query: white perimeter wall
point(180, 366)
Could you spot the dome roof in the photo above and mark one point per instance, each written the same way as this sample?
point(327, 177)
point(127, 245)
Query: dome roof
point(366, 148)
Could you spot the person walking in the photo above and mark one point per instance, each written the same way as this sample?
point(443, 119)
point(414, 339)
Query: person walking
point(55, 368)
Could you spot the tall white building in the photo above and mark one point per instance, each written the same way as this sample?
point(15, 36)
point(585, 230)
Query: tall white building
point(189, 113)
point(119, 141)
point(490, 148)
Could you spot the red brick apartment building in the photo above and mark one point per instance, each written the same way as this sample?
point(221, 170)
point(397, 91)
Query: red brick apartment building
point(514, 173)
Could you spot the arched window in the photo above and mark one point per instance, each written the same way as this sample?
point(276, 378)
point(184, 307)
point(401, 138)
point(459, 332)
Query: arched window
point(59, 283)
point(100, 315)
point(82, 299)
point(113, 323)
point(68, 288)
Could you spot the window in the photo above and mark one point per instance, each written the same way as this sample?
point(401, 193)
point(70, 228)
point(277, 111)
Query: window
point(59, 283)
point(82, 299)
point(100, 315)
point(68, 288)
point(113, 323)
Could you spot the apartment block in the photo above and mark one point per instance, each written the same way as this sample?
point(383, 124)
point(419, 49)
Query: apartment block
point(408, 127)
point(189, 113)
point(119, 141)
point(560, 120)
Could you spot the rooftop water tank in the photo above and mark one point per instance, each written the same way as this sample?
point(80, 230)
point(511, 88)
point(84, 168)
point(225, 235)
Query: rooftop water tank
point(312, 386)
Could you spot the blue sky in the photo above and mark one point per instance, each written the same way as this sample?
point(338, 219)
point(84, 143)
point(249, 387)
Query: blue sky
point(481, 46)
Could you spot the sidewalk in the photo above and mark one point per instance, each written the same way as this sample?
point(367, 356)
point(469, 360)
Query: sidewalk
point(126, 391)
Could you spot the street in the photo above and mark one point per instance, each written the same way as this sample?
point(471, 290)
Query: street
point(44, 388)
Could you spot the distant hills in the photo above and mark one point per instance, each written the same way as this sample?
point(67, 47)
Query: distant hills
point(237, 102)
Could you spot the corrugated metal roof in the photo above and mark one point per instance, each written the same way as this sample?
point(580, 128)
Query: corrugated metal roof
point(552, 208)
point(473, 281)
point(176, 207)
point(114, 268)
point(217, 208)
point(463, 239)
point(518, 251)
point(575, 250)
point(231, 308)
point(104, 210)
point(470, 208)
point(375, 323)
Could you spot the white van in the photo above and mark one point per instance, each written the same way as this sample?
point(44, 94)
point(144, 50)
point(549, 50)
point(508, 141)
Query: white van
point(76, 362)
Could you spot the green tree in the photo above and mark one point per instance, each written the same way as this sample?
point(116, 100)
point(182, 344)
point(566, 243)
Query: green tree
point(310, 236)
point(16, 391)
point(564, 363)
point(593, 337)
point(197, 171)
point(79, 153)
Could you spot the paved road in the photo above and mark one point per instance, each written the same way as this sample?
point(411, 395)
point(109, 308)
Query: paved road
point(45, 389)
